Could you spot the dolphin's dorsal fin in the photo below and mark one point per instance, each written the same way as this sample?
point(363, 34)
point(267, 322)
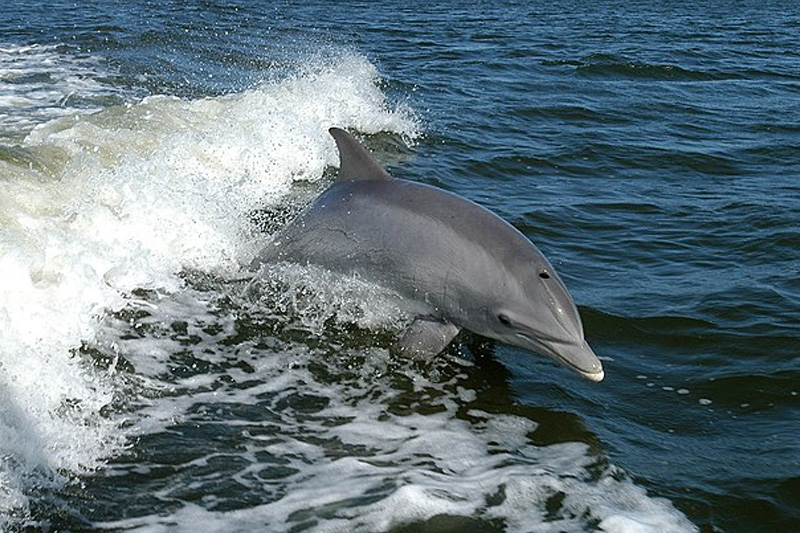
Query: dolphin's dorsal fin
point(355, 162)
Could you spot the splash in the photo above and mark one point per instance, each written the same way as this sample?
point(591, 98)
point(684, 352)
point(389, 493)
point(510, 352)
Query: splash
point(343, 439)
point(98, 205)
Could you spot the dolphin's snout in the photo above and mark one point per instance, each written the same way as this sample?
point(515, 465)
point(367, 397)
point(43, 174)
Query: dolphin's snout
point(580, 358)
point(576, 355)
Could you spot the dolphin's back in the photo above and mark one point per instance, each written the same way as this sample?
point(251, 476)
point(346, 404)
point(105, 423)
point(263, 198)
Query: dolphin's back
point(403, 235)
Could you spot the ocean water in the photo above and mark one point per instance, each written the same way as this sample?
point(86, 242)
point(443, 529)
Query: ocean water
point(147, 149)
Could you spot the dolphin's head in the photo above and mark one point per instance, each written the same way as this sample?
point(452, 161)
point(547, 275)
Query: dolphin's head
point(534, 310)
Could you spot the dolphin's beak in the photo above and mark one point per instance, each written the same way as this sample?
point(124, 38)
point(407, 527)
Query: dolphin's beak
point(580, 358)
point(577, 356)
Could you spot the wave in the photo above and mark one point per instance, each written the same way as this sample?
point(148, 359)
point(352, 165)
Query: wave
point(105, 217)
point(336, 436)
point(39, 83)
point(96, 206)
point(611, 66)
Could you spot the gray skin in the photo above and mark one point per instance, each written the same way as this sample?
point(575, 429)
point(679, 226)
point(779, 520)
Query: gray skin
point(458, 264)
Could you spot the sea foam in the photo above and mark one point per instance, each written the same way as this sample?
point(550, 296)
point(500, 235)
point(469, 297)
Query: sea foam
point(349, 440)
point(97, 205)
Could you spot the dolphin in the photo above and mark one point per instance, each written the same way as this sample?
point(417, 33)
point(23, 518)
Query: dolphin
point(457, 263)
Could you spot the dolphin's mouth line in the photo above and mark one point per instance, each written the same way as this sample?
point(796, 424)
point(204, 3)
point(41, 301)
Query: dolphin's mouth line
point(596, 375)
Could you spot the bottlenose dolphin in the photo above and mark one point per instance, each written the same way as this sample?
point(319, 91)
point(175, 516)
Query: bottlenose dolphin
point(459, 264)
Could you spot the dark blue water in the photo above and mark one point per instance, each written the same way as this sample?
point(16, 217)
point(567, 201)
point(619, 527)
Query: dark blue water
point(649, 149)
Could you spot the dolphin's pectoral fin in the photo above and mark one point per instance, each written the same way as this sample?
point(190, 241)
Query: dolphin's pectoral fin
point(425, 338)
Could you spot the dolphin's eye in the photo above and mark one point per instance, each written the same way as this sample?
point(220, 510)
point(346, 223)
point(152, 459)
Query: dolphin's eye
point(504, 320)
point(544, 274)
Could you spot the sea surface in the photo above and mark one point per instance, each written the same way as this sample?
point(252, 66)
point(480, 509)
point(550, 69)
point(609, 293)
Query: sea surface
point(149, 383)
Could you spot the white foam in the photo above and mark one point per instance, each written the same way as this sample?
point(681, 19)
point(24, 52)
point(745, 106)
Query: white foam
point(101, 204)
point(314, 298)
point(351, 462)
point(39, 83)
